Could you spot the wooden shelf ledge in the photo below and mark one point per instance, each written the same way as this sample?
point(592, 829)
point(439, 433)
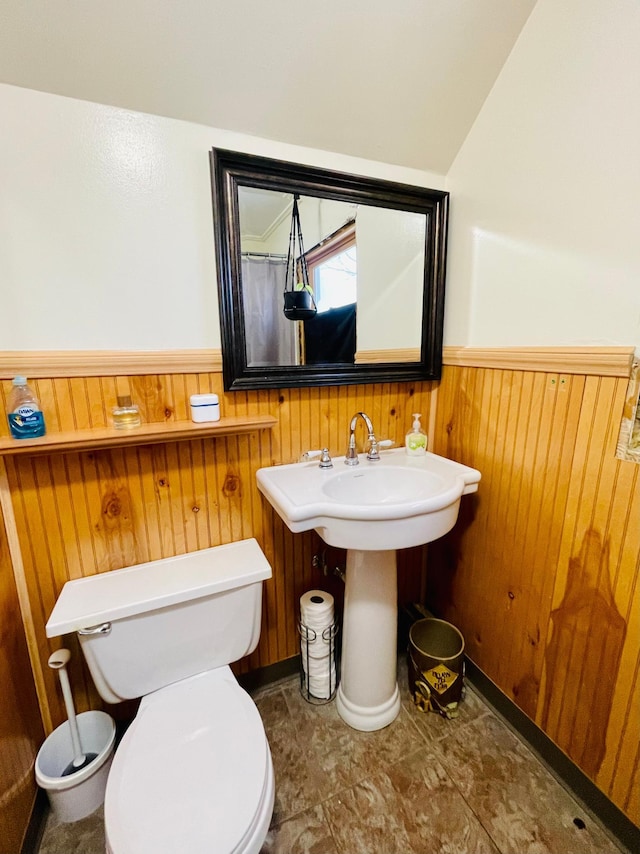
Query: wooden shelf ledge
point(146, 434)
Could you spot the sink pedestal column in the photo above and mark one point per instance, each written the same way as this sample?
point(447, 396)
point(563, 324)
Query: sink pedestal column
point(368, 698)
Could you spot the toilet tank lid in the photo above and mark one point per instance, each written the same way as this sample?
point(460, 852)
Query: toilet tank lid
point(120, 593)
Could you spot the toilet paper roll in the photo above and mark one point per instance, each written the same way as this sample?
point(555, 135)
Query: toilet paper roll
point(317, 666)
point(316, 609)
point(318, 684)
point(317, 618)
point(322, 681)
point(319, 649)
point(321, 687)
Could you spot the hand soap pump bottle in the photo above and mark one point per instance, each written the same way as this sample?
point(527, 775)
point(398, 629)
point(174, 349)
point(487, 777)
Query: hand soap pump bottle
point(416, 439)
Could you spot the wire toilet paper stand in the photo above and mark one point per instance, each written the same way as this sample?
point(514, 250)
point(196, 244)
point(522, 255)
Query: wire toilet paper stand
point(318, 673)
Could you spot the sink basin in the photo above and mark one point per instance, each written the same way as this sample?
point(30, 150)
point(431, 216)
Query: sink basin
point(393, 503)
point(371, 510)
point(382, 486)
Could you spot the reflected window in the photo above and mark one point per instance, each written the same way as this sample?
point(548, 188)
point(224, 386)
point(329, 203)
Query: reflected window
point(333, 269)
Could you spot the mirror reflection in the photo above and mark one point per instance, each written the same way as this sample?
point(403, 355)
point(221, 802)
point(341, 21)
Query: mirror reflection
point(366, 272)
point(325, 278)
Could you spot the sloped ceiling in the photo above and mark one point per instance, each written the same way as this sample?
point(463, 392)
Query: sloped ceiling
point(395, 82)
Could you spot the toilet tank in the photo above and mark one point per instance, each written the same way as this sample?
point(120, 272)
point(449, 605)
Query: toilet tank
point(143, 627)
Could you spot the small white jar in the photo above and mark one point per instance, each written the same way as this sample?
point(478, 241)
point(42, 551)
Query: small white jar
point(204, 407)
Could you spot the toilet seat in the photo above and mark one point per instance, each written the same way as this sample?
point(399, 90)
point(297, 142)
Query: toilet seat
point(193, 773)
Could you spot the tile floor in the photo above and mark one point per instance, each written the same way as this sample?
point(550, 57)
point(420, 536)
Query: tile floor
point(423, 784)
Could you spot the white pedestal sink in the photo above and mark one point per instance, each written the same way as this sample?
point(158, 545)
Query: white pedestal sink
point(371, 510)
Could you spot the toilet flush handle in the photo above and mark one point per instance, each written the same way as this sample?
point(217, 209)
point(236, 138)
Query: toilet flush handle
point(102, 629)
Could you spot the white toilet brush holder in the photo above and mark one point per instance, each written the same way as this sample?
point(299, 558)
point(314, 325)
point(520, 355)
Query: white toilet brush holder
point(73, 764)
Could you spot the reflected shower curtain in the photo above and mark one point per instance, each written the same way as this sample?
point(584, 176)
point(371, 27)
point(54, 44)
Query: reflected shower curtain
point(270, 336)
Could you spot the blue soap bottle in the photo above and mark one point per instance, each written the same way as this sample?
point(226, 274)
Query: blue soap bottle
point(26, 420)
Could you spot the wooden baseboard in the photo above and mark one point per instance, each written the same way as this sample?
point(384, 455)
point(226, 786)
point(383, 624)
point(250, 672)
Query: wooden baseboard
point(264, 676)
point(35, 828)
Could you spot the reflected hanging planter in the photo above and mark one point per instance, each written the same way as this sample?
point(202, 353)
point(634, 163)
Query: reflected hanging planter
point(299, 303)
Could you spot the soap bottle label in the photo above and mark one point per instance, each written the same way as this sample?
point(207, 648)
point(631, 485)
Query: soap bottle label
point(416, 439)
point(26, 423)
point(416, 444)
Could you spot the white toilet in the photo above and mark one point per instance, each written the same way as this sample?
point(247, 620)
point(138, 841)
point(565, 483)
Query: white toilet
point(193, 772)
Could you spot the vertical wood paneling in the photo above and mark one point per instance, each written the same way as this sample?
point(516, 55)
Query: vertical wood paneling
point(541, 572)
point(82, 513)
point(21, 730)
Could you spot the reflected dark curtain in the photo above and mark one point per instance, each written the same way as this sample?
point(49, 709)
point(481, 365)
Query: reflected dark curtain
point(330, 336)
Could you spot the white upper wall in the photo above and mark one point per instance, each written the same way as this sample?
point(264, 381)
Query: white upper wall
point(395, 83)
point(545, 192)
point(106, 223)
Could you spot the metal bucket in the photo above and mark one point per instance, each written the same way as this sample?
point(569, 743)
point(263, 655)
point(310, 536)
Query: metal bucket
point(436, 666)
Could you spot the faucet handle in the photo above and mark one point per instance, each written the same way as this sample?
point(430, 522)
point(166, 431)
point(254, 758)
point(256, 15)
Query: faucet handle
point(372, 453)
point(351, 457)
point(307, 456)
point(325, 459)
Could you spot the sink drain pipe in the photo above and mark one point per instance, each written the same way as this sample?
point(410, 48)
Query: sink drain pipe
point(319, 561)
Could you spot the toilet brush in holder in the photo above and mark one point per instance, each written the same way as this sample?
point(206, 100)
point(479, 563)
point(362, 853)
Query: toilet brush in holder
point(58, 661)
point(73, 763)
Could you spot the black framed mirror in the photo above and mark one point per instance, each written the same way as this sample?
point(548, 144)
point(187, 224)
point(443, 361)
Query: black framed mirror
point(373, 264)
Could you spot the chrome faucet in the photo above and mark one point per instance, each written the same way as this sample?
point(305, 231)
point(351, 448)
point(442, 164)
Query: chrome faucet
point(351, 457)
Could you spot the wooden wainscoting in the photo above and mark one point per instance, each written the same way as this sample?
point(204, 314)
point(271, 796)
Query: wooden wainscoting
point(541, 572)
point(76, 514)
point(21, 731)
